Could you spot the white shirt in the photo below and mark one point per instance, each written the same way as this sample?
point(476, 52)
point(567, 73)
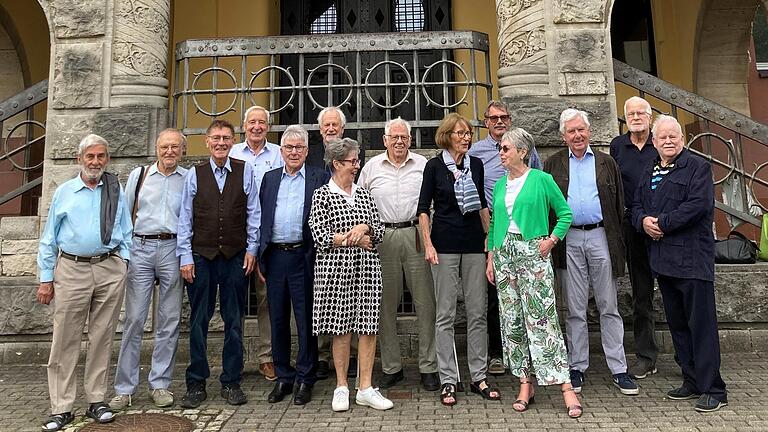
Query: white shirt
point(513, 190)
point(350, 198)
point(395, 190)
point(268, 159)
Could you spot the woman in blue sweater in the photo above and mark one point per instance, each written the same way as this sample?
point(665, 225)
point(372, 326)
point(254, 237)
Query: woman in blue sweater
point(519, 244)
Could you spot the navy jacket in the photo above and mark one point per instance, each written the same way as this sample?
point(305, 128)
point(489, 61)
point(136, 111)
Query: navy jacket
point(315, 177)
point(684, 203)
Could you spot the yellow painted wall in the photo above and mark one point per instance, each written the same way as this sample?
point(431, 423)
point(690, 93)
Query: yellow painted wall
point(31, 27)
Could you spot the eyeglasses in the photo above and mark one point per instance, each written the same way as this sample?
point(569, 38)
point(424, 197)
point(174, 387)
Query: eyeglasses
point(352, 161)
point(165, 148)
point(217, 138)
point(463, 134)
point(398, 138)
point(503, 148)
point(636, 114)
point(293, 148)
point(495, 118)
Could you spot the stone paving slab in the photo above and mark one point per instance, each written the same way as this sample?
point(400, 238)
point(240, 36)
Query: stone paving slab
point(24, 405)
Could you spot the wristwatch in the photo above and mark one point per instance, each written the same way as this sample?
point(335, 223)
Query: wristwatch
point(554, 239)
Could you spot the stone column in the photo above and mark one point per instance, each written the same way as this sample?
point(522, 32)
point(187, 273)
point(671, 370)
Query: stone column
point(555, 54)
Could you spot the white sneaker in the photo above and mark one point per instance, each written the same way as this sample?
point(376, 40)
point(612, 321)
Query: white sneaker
point(340, 399)
point(372, 397)
point(120, 402)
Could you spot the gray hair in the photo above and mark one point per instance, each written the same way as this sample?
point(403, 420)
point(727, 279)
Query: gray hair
point(90, 141)
point(521, 139)
point(331, 108)
point(337, 149)
point(570, 114)
point(663, 118)
point(395, 121)
point(295, 131)
point(172, 131)
point(255, 108)
point(496, 104)
point(637, 99)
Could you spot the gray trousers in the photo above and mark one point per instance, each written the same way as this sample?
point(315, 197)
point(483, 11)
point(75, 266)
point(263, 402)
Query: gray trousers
point(588, 260)
point(150, 259)
point(465, 272)
point(399, 254)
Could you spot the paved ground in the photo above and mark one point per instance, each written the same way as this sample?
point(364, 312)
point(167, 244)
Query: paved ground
point(24, 404)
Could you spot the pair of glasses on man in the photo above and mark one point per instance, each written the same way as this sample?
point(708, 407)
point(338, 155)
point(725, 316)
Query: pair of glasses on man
point(398, 138)
point(496, 118)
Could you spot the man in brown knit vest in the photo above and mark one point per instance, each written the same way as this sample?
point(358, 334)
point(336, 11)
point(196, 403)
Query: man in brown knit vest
point(218, 238)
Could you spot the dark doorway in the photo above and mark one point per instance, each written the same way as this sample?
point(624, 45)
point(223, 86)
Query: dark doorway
point(632, 34)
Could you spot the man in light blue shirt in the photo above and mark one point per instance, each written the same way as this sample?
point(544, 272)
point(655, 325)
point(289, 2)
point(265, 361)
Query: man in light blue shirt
point(593, 253)
point(153, 196)
point(218, 237)
point(82, 262)
point(262, 156)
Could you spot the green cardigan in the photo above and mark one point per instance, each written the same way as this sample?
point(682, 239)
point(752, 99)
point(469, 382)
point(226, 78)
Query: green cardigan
point(531, 210)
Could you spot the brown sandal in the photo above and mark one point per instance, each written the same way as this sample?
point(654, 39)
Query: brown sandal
point(574, 411)
point(521, 402)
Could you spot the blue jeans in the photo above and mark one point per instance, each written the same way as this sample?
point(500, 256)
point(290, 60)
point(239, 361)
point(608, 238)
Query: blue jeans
point(228, 276)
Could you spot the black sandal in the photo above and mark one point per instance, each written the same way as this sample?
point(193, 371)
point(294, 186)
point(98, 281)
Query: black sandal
point(485, 392)
point(448, 391)
point(521, 402)
point(97, 410)
point(58, 421)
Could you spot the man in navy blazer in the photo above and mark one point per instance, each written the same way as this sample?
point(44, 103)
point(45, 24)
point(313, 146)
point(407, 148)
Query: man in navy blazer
point(674, 206)
point(286, 261)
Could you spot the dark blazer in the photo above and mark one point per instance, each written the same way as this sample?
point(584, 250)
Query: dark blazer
point(684, 202)
point(315, 177)
point(611, 193)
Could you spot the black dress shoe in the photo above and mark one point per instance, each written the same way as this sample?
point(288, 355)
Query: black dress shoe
point(352, 369)
point(195, 395)
point(281, 390)
point(303, 394)
point(323, 370)
point(388, 380)
point(430, 381)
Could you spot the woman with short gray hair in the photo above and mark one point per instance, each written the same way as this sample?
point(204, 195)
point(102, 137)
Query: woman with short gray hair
point(346, 227)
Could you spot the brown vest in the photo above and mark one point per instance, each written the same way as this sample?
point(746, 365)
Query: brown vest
point(219, 217)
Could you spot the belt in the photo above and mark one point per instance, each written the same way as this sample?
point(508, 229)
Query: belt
point(92, 259)
point(161, 236)
point(288, 246)
point(588, 226)
point(406, 224)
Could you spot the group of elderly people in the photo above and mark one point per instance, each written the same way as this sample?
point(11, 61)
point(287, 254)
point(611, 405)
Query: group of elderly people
point(335, 245)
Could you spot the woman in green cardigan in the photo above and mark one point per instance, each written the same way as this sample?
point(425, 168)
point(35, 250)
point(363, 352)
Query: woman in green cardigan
point(519, 244)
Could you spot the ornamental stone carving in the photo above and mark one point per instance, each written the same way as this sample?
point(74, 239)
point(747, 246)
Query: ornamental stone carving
point(578, 11)
point(78, 18)
point(521, 32)
point(77, 76)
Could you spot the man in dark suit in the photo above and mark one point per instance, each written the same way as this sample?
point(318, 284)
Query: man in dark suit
point(287, 256)
point(674, 206)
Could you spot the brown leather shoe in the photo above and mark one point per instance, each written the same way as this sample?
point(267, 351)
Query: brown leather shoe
point(268, 370)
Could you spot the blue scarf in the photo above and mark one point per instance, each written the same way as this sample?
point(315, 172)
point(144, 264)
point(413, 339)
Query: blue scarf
point(463, 186)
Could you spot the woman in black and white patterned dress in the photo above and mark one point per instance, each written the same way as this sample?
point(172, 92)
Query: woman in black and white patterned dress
point(346, 227)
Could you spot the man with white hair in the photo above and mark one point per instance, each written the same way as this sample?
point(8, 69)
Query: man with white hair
point(634, 152)
point(262, 156)
point(674, 207)
point(593, 253)
point(153, 196)
point(394, 179)
point(82, 262)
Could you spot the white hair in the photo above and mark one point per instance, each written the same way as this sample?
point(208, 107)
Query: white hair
point(570, 114)
point(395, 121)
point(663, 118)
point(295, 131)
point(640, 100)
point(255, 108)
point(331, 108)
point(90, 141)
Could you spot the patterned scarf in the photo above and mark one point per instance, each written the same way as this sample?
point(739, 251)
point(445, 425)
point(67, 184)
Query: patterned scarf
point(463, 186)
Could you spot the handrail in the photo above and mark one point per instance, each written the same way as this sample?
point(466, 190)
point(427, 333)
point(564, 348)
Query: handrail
point(745, 134)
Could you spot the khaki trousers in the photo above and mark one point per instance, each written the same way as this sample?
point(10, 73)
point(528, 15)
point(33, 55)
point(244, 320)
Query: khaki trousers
point(83, 291)
point(264, 343)
point(399, 255)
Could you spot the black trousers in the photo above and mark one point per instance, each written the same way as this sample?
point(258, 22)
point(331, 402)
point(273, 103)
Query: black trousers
point(692, 318)
point(494, 325)
point(643, 322)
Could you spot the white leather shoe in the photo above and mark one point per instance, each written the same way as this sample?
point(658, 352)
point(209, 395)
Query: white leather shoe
point(340, 399)
point(372, 397)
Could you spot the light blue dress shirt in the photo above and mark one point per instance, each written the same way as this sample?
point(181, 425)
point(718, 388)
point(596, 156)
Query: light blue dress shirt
point(289, 209)
point(159, 200)
point(268, 159)
point(74, 226)
point(486, 151)
point(253, 209)
point(582, 189)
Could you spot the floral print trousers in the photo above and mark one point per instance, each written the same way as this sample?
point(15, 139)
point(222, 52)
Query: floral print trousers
point(530, 332)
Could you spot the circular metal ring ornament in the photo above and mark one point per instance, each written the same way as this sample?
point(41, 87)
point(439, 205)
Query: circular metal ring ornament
point(728, 145)
point(27, 144)
point(329, 65)
point(198, 75)
point(424, 84)
point(752, 182)
point(282, 70)
point(408, 84)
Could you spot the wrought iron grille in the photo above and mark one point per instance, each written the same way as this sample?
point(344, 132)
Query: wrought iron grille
point(735, 145)
point(223, 77)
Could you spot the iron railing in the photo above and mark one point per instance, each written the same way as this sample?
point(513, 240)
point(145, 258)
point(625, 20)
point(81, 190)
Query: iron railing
point(26, 156)
point(735, 145)
point(376, 76)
